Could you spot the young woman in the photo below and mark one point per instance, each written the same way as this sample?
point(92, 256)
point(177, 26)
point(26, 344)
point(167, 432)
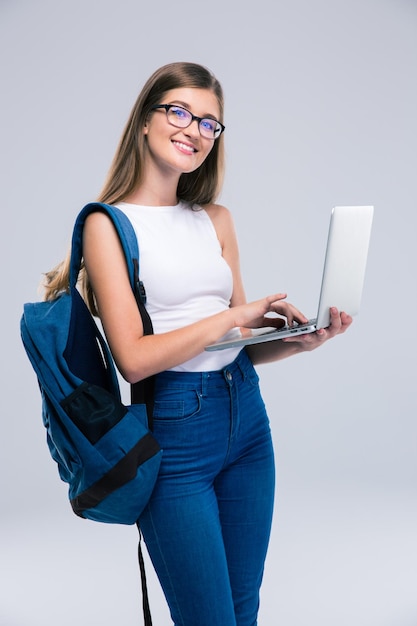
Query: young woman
point(208, 522)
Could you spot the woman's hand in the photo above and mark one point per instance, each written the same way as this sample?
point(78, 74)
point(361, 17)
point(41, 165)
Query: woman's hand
point(276, 350)
point(339, 323)
point(253, 315)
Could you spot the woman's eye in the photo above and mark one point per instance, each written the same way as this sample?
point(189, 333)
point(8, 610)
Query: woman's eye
point(179, 113)
point(208, 124)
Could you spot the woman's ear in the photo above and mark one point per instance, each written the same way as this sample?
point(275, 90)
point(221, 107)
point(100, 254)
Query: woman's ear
point(146, 125)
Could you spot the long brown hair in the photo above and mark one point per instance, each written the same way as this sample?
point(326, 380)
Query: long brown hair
point(126, 171)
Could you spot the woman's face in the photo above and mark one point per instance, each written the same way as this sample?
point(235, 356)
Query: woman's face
point(180, 150)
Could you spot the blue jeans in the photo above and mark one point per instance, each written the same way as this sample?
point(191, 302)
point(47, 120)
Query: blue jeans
point(208, 522)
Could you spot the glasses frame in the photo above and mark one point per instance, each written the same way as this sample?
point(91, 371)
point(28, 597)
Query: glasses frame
point(167, 107)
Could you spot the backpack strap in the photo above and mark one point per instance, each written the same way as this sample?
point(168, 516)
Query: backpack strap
point(127, 238)
point(141, 392)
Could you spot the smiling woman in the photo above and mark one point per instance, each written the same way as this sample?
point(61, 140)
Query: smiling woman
point(207, 523)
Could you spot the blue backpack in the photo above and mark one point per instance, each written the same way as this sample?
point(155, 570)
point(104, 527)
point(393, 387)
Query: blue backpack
point(104, 449)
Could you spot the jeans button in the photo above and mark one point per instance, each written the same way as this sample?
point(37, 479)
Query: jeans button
point(229, 376)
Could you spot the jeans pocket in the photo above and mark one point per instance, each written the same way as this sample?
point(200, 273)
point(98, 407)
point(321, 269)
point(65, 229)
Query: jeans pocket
point(177, 406)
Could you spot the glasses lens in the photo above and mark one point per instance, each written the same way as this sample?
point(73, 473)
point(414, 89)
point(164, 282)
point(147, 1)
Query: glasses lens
point(177, 116)
point(210, 128)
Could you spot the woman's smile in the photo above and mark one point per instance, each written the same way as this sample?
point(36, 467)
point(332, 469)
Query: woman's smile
point(185, 148)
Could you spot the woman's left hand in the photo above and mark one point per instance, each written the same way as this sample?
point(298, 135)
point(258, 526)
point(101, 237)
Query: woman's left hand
point(339, 323)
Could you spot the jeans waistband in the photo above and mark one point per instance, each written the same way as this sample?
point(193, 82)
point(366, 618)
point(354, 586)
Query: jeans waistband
point(238, 369)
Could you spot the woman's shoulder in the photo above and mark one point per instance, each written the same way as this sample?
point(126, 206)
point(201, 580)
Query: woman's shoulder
point(218, 212)
point(222, 220)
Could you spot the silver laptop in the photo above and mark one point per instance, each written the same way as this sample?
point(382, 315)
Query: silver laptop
point(342, 281)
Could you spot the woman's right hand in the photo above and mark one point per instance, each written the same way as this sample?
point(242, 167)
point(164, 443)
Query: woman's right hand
point(253, 314)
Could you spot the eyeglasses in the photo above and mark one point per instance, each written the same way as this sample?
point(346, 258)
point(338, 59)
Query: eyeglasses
point(182, 118)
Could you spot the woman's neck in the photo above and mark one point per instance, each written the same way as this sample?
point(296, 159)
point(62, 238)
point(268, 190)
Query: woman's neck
point(157, 188)
point(152, 197)
point(156, 191)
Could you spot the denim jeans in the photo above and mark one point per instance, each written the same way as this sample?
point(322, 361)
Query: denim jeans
point(208, 522)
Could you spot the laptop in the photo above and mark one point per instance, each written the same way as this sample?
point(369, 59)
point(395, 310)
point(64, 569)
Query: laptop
point(342, 280)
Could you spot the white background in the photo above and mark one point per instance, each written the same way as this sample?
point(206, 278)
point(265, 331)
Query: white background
point(321, 101)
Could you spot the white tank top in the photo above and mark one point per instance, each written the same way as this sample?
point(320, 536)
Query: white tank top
point(185, 275)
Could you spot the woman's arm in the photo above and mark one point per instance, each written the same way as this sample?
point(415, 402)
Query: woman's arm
point(138, 356)
point(224, 226)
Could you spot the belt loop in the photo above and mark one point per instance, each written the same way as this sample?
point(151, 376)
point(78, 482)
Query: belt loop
point(241, 363)
point(204, 380)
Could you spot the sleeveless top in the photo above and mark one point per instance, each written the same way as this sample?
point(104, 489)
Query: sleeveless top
point(185, 275)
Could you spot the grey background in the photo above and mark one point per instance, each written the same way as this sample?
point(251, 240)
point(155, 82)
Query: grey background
point(321, 104)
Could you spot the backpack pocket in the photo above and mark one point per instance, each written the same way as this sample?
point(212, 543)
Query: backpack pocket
point(93, 410)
